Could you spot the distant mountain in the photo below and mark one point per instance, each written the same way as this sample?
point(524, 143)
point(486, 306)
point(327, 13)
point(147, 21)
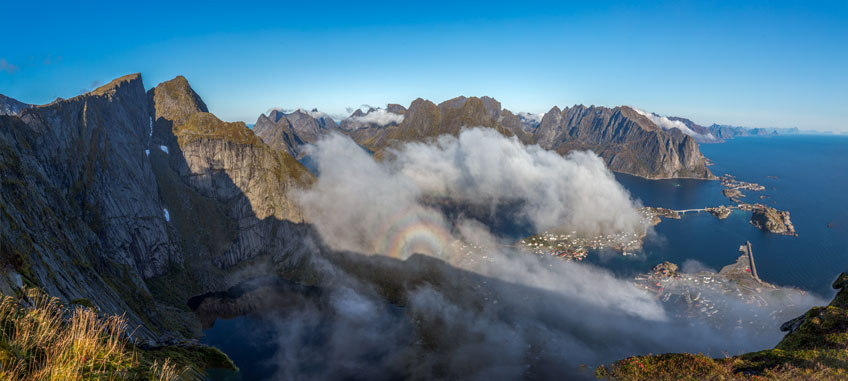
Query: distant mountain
point(424, 119)
point(702, 134)
point(627, 139)
point(729, 132)
point(10, 106)
point(289, 132)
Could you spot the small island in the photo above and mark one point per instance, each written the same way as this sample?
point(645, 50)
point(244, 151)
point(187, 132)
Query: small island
point(770, 219)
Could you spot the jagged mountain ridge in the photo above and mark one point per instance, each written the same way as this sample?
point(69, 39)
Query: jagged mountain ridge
point(289, 132)
point(138, 200)
point(628, 141)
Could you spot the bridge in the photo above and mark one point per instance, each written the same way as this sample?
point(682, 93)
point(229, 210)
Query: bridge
point(684, 211)
point(704, 209)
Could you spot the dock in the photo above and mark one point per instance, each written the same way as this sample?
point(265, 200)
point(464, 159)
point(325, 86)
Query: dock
point(746, 248)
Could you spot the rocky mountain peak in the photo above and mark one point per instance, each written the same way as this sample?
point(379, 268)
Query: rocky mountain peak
point(396, 108)
point(175, 100)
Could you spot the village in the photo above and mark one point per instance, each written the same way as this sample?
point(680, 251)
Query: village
point(573, 246)
point(705, 294)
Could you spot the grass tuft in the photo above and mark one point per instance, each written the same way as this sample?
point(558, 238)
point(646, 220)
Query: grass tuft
point(41, 339)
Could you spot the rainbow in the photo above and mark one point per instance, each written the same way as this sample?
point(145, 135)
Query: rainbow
point(414, 230)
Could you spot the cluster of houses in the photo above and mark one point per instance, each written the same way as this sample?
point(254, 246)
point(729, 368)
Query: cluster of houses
point(572, 246)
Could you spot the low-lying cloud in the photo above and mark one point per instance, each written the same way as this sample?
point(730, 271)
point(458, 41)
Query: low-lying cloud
point(668, 124)
point(358, 202)
point(380, 117)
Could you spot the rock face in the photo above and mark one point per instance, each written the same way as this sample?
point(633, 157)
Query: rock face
point(628, 141)
point(138, 200)
point(227, 164)
point(81, 213)
point(10, 106)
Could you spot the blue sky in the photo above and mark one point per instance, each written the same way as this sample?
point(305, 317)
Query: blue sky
point(768, 63)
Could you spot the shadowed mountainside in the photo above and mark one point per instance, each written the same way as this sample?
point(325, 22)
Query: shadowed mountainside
point(137, 201)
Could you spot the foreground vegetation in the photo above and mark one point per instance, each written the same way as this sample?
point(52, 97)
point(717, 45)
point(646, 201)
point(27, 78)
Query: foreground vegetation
point(41, 339)
point(816, 348)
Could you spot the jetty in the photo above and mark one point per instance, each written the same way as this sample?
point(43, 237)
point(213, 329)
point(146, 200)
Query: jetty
point(746, 249)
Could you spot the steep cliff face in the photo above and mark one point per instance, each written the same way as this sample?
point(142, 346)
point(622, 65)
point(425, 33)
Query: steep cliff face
point(137, 201)
point(229, 165)
point(627, 140)
point(82, 214)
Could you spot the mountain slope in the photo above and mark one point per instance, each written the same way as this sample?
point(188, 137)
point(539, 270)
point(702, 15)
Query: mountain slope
point(137, 201)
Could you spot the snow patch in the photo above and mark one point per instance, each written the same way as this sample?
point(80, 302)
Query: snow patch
point(164, 149)
point(147, 152)
point(167, 215)
point(151, 126)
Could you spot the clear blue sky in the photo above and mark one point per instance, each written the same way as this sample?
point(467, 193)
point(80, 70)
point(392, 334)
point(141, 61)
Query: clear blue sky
point(768, 63)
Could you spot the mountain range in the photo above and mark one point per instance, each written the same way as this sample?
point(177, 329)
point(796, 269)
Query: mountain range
point(628, 141)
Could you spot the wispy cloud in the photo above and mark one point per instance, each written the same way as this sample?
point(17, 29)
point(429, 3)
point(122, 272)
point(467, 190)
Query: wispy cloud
point(668, 124)
point(7, 67)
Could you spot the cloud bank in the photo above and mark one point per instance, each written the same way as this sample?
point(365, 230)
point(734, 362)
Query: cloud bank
point(361, 204)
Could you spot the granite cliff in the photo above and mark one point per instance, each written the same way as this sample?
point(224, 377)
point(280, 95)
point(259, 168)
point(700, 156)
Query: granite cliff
point(135, 201)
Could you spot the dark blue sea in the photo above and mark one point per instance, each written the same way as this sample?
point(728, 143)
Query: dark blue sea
point(804, 174)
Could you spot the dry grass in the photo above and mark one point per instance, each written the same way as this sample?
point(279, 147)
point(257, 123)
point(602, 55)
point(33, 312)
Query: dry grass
point(40, 339)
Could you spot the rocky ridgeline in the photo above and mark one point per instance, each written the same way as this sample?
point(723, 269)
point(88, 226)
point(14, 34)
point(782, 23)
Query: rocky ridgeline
point(628, 141)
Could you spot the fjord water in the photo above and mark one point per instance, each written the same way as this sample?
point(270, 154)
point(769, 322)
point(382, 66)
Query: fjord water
point(804, 174)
